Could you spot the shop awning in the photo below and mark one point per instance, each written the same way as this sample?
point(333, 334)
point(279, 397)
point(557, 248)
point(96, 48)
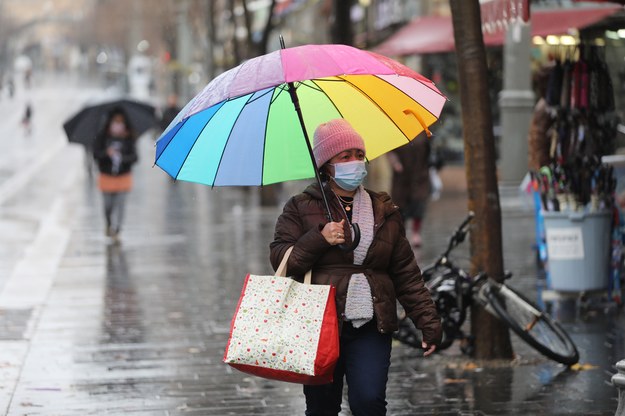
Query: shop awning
point(433, 34)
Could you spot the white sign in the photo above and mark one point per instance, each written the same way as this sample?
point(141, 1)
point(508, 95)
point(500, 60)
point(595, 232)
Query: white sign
point(565, 243)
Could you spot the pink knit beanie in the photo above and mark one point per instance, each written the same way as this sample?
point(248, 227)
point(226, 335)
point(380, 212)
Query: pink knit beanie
point(332, 138)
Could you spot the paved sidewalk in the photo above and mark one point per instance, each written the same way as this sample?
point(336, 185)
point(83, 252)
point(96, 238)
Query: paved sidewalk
point(94, 329)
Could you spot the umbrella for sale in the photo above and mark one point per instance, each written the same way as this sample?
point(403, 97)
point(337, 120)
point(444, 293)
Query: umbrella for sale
point(251, 125)
point(83, 126)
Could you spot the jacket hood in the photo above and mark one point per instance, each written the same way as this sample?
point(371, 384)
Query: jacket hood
point(314, 190)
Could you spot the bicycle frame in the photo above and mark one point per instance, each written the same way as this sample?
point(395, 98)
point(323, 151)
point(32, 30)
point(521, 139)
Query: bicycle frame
point(453, 289)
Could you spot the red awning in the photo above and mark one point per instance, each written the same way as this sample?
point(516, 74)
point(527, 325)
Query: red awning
point(432, 34)
point(602, 1)
point(429, 34)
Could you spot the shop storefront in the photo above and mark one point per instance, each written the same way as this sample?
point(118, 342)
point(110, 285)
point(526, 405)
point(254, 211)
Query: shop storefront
point(583, 49)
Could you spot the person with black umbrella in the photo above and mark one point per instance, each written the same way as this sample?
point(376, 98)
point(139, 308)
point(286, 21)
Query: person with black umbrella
point(115, 153)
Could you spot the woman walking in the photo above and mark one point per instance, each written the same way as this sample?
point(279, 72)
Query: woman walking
point(115, 152)
point(411, 187)
point(369, 280)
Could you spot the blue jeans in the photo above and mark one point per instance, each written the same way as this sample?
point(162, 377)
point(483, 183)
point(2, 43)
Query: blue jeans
point(364, 361)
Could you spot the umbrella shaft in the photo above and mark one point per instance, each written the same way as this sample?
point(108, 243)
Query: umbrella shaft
point(298, 110)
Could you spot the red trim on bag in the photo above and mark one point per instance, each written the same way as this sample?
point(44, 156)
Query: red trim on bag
point(234, 317)
point(286, 376)
point(328, 348)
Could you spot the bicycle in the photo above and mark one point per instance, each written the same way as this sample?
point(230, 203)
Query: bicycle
point(454, 291)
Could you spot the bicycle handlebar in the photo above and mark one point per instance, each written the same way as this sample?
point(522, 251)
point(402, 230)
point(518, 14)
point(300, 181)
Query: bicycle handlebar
point(467, 220)
point(459, 235)
point(456, 238)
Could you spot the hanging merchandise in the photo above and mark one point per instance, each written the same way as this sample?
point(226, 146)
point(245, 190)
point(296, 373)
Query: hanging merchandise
point(576, 191)
point(582, 185)
point(580, 102)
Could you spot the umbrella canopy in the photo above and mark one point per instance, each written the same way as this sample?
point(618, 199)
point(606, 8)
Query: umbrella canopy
point(84, 126)
point(243, 128)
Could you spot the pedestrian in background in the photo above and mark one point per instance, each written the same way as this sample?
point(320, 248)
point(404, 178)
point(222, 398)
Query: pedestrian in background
point(411, 186)
point(540, 131)
point(28, 75)
point(170, 112)
point(369, 281)
point(11, 87)
point(27, 119)
point(115, 153)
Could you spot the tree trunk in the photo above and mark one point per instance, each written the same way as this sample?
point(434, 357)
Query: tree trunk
point(264, 41)
point(342, 26)
point(492, 339)
point(248, 28)
point(212, 39)
point(235, 43)
point(260, 47)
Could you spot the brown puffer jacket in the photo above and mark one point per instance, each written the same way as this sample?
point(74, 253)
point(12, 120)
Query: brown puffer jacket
point(390, 265)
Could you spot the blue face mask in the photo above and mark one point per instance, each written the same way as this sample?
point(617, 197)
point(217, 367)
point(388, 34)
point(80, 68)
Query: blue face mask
point(349, 175)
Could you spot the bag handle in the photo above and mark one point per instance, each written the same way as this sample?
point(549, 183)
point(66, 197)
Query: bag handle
point(281, 270)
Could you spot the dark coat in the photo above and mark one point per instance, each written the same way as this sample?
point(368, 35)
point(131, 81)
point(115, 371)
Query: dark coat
point(169, 114)
point(390, 265)
point(105, 164)
point(412, 185)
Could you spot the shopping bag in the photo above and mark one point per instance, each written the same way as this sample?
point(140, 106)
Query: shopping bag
point(284, 330)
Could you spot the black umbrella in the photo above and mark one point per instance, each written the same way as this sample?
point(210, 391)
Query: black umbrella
point(84, 125)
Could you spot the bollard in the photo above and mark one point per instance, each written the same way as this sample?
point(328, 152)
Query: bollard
point(618, 380)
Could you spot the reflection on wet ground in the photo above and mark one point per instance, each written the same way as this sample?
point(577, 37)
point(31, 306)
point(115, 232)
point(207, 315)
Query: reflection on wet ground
point(123, 320)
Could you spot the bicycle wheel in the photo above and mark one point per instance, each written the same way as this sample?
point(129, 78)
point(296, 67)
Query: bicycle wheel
point(449, 296)
point(534, 326)
point(408, 334)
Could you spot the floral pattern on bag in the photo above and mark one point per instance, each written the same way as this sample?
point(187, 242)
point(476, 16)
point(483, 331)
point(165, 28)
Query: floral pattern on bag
point(278, 325)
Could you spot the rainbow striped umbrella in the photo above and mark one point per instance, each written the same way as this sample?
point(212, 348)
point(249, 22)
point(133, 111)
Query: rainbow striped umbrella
point(244, 129)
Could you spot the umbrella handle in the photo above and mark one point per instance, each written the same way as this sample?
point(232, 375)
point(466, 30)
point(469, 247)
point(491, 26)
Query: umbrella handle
point(419, 119)
point(355, 241)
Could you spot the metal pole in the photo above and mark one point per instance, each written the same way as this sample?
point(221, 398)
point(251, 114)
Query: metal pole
point(298, 110)
point(516, 102)
point(300, 116)
point(618, 381)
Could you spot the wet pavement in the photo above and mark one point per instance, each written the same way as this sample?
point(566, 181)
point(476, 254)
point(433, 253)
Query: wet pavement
point(87, 328)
